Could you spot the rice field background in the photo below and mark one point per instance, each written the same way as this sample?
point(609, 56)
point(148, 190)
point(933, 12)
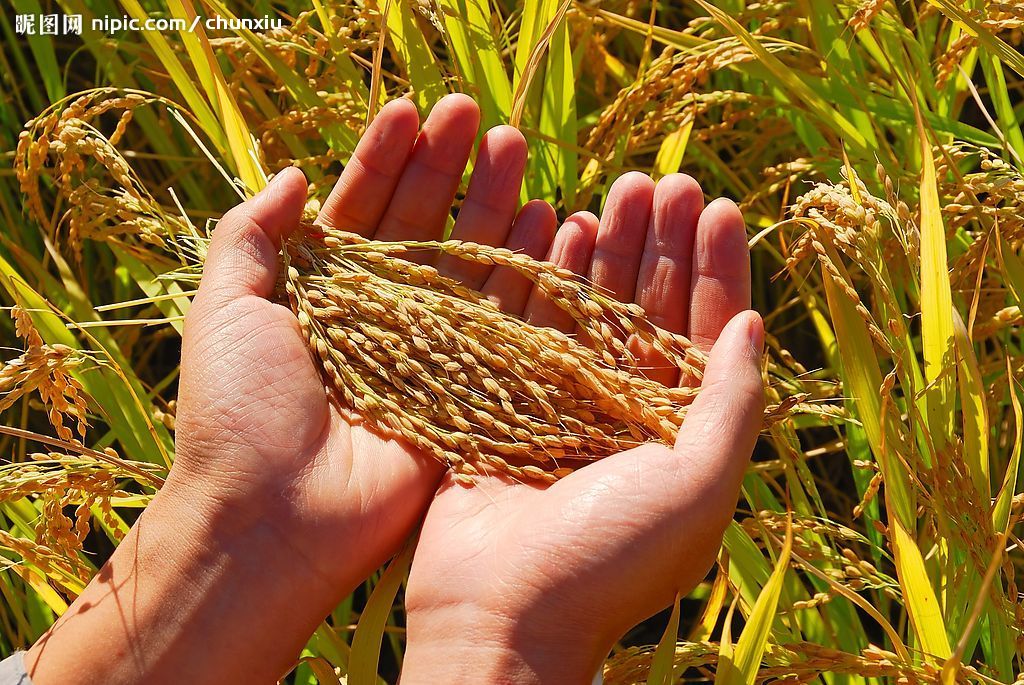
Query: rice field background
point(876, 150)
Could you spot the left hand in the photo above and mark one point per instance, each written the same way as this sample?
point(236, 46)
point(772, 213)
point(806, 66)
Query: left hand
point(277, 505)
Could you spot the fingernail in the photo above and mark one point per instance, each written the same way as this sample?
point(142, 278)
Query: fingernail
point(755, 333)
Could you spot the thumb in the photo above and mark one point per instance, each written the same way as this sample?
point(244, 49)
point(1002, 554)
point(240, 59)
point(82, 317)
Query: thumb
point(713, 446)
point(244, 249)
point(723, 423)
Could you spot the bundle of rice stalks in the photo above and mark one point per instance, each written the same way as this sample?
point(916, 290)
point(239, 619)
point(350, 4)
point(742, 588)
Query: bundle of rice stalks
point(106, 198)
point(426, 358)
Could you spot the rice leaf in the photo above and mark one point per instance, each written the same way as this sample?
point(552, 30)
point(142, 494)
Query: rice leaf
point(558, 111)
point(922, 604)
point(366, 642)
point(241, 144)
point(742, 668)
point(1013, 270)
point(339, 138)
point(973, 408)
point(117, 396)
point(748, 569)
point(41, 585)
point(845, 65)
point(663, 660)
point(998, 92)
point(43, 51)
point(476, 51)
point(726, 648)
point(322, 669)
point(862, 379)
point(328, 643)
point(1004, 498)
point(174, 307)
point(183, 80)
point(671, 150)
point(936, 306)
point(413, 53)
point(713, 608)
point(546, 91)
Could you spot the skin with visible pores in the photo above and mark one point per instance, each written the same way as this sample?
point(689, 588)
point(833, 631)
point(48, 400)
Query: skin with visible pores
point(277, 507)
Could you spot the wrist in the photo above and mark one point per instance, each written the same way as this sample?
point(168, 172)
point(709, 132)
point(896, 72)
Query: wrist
point(460, 644)
point(191, 595)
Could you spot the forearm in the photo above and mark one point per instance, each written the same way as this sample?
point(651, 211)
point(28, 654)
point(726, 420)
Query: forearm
point(186, 598)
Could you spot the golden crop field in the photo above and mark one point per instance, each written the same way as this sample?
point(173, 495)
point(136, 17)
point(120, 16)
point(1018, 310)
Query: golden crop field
point(875, 149)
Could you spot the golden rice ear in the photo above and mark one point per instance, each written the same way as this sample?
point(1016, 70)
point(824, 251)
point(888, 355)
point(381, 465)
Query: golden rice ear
point(426, 358)
point(44, 368)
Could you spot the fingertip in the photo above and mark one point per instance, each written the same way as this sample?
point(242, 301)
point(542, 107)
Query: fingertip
point(500, 163)
point(398, 117)
point(399, 107)
point(458, 99)
point(532, 233)
point(578, 232)
point(286, 176)
point(288, 180)
point(679, 188)
point(722, 234)
point(572, 249)
point(507, 135)
point(630, 184)
point(729, 408)
point(246, 243)
point(505, 143)
point(539, 210)
point(725, 209)
point(720, 282)
point(278, 207)
point(458, 106)
point(583, 222)
point(574, 241)
point(534, 228)
point(742, 336)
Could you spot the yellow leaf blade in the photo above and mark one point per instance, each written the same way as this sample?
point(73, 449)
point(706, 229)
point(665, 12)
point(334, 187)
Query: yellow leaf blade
point(746, 660)
point(673, 147)
point(936, 306)
point(919, 595)
point(663, 661)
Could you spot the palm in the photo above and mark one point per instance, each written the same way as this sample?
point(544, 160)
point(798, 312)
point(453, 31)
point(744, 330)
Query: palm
point(255, 423)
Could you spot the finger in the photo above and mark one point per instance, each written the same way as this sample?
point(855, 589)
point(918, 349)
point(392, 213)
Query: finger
point(531, 234)
point(423, 198)
point(721, 271)
point(362, 194)
point(490, 206)
point(663, 281)
point(620, 239)
point(571, 249)
point(246, 244)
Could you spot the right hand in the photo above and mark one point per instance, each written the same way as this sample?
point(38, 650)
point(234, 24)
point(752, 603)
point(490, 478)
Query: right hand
point(517, 582)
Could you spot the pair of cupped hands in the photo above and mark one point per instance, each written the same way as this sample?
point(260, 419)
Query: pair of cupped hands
point(277, 506)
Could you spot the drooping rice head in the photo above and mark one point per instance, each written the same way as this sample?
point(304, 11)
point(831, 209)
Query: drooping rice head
point(422, 356)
